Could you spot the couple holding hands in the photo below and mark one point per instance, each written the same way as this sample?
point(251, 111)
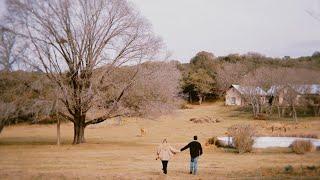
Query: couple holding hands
point(165, 152)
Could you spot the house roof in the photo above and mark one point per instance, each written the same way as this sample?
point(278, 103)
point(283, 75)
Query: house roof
point(245, 90)
point(307, 88)
point(301, 89)
point(274, 89)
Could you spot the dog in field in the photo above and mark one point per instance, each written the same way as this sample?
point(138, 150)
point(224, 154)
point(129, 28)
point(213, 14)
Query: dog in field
point(143, 132)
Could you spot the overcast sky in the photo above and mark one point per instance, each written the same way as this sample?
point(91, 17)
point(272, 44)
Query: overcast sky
point(272, 27)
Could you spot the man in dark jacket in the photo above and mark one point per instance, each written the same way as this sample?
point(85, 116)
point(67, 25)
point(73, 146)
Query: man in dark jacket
point(195, 152)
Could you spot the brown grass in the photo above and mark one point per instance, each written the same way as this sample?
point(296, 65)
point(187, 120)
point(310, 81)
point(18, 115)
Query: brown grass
point(302, 146)
point(114, 151)
point(285, 172)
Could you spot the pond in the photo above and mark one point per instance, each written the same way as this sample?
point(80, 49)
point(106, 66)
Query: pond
point(266, 142)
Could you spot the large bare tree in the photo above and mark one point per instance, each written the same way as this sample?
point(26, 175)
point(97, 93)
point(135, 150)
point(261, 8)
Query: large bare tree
point(72, 38)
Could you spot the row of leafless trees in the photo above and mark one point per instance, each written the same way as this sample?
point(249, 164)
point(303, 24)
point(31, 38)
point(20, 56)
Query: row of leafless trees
point(284, 80)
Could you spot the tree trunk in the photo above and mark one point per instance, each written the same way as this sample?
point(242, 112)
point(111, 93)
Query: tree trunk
point(279, 111)
point(190, 97)
point(283, 111)
point(1, 125)
point(58, 131)
point(200, 99)
point(79, 126)
point(294, 113)
point(120, 122)
point(254, 110)
point(270, 110)
point(258, 108)
point(316, 110)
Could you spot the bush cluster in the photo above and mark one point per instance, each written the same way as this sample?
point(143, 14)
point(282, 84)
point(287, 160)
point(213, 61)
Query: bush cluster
point(242, 137)
point(302, 146)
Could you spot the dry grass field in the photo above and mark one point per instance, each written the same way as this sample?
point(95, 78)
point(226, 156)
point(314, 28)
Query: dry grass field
point(118, 152)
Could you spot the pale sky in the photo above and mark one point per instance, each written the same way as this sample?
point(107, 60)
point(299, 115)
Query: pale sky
point(272, 27)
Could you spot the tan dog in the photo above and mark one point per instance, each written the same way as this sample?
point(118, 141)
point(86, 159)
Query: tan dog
point(143, 132)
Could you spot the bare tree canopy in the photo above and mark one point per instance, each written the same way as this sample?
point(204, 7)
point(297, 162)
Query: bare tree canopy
point(154, 90)
point(73, 38)
point(11, 50)
point(230, 73)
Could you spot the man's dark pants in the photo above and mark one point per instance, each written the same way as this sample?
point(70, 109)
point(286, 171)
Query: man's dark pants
point(164, 166)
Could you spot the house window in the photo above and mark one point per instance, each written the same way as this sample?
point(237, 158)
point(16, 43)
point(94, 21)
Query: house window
point(233, 100)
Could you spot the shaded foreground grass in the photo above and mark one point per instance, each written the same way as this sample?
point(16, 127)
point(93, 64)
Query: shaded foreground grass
point(117, 152)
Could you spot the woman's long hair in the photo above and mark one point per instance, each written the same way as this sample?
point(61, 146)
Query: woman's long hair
point(164, 141)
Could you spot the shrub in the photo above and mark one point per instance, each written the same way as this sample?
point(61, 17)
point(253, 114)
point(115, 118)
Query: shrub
point(302, 146)
point(288, 168)
point(184, 106)
point(242, 137)
point(212, 141)
point(261, 116)
point(218, 143)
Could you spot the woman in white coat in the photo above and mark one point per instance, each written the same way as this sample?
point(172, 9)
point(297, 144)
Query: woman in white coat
point(164, 153)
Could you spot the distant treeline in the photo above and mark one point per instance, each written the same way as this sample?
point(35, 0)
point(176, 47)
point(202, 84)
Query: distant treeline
point(159, 86)
point(207, 77)
point(31, 97)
